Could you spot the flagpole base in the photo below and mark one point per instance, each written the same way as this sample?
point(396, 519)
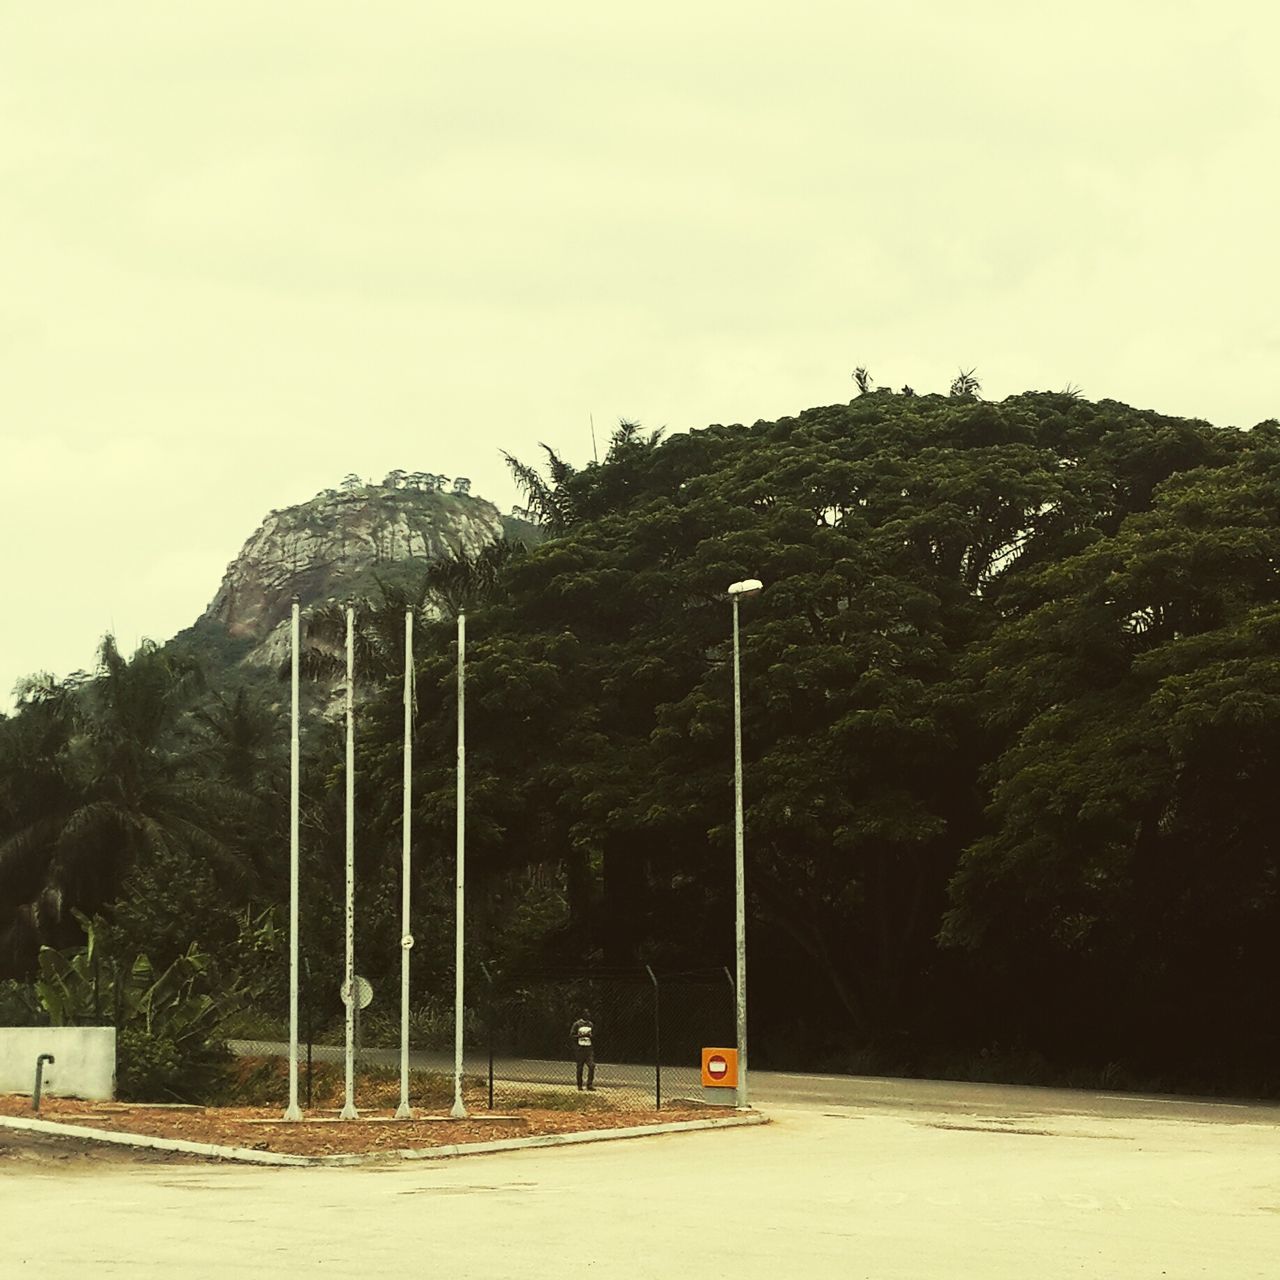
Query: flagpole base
point(293, 1112)
point(404, 1112)
point(459, 1112)
point(349, 1112)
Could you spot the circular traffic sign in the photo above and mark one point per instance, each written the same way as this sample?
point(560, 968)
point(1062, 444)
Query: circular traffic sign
point(717, 1066)
point(364, 992)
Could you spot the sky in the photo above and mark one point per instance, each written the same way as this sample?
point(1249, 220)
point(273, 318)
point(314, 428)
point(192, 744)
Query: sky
point(249, 247)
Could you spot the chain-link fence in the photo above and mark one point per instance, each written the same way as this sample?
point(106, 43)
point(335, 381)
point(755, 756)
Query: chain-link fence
point(647, 1033)
point(648, 1030)
point(261, 1047)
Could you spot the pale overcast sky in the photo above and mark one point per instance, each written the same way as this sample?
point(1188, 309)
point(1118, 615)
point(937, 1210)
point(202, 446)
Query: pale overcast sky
point(246, 248)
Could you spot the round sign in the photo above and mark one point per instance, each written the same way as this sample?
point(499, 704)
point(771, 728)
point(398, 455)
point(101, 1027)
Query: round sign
point(717, 1066)
point(364, 992)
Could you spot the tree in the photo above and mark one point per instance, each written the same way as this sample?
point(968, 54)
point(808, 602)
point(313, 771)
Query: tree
point(1130, 869)
point(893, 534)
point(549, 502)
point(107, 784)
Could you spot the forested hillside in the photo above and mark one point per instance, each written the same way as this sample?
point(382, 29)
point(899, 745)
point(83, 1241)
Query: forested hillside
point(1011, 722)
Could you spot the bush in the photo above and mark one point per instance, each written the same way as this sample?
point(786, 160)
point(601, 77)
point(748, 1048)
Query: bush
point(153, 1066)
point(169, 1039)
point(19, 1005)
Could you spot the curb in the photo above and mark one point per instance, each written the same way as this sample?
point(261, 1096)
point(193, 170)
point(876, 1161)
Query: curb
point(246, 1155)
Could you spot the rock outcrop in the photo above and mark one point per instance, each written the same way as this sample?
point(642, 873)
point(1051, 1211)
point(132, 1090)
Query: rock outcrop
point(312, 550)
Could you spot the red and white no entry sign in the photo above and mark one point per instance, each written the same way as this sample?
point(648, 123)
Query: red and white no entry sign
point(720, 1067)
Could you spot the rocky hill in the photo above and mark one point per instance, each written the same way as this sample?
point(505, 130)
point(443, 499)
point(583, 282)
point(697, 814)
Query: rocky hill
point(331, 546)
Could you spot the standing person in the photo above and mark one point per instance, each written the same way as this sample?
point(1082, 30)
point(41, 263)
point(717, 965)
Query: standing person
point(582, 1034)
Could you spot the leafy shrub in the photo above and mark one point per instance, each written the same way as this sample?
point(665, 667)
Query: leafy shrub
point(153, 1066)
point(19, 1005)
point(169, 1041)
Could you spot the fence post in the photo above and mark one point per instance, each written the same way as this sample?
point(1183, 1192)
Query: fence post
point(311, 1020)
point(657, 1042)
point(733, 994)
point(484, 968)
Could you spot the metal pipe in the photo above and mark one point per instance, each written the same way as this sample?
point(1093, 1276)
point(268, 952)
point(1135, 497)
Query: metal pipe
point(40, 1061)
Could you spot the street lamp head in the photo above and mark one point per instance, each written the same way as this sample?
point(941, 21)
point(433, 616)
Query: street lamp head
point(747, 587)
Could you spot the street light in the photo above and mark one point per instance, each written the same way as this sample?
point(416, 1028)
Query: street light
point(737, 591)
point(459, 1109)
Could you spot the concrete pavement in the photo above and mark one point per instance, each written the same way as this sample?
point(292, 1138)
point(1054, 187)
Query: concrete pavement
point(942, 1182)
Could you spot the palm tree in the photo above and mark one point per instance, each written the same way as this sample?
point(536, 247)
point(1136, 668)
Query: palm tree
point(567, 495)
point(965, 385)
point(102, 781)
point(467, 580)
point(550, 503)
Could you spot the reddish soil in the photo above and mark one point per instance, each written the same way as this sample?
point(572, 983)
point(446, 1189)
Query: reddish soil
point(261, 1128)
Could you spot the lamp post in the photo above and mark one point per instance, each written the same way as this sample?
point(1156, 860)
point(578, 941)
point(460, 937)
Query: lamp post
point(737, 590)
point(459, 1109)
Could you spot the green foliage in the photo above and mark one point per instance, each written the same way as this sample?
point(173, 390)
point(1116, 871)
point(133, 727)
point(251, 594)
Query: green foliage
point(168, 1021)
point(1132, 815)
point(96, 776)
point(19, 1005)
point(1011, 716)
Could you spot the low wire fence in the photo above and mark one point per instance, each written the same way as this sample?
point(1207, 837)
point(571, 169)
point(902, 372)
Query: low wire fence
point(649, 1029)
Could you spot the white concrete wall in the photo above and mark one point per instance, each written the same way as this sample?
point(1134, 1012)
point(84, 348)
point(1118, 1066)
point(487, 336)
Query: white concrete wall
point(84, 1064)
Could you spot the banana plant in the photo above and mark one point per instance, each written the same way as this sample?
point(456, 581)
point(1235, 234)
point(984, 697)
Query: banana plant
point(168, 1004)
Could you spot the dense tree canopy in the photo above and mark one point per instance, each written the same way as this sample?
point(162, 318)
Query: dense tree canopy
point(1012, 702)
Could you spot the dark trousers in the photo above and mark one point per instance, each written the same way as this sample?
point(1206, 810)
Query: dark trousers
point(586, 1058)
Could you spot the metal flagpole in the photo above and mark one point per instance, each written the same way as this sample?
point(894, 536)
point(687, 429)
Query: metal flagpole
point(740, 920)
point(293, 1111)
point(404, 1112)
point(459, 1109)
point(348, 987)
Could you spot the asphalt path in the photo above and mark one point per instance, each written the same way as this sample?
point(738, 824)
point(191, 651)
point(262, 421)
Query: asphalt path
point(871, 1093)
point(635, 1080)
point(853, 1177)
point(790, 1089)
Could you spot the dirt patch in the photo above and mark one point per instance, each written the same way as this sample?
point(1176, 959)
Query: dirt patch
point(321, 1133)
point(20, 1149)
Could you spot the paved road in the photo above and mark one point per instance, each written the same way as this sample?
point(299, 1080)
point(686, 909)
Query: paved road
point(870, 1093)
point(776, 1088)
point(896, 1180)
